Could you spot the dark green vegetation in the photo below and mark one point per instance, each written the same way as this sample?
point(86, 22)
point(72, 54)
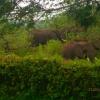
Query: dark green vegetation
point(31, 63)
point(27, 78)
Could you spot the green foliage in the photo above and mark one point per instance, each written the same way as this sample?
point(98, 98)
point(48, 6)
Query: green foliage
point(61, 21)
point(42, 24)
point(12, 11)
point(84, 17)
point(22, 78)
point(84, 12)
point(93, 32)
point(51, 50)
point(13, 38)
point(6, 27)
point(6, 7)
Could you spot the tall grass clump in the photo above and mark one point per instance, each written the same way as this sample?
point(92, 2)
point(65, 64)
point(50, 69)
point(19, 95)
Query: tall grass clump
point(49, 50)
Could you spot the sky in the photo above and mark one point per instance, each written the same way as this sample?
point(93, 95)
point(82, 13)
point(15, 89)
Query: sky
point(46, 3)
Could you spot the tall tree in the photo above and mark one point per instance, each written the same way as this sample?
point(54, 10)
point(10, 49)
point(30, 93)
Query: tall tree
point(84, 11)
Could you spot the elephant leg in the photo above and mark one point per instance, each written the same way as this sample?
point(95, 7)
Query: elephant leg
point(91, 55)
point(78, 52)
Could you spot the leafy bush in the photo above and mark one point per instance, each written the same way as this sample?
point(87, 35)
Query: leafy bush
point(94, 32)
point(61, 21)
point(44, 79)
point(13, 39)
point(50, 50)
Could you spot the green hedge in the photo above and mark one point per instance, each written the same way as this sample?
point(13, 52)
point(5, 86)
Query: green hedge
point(43, 79)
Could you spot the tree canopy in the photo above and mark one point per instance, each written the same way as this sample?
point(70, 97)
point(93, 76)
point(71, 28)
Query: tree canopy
point(84, 11)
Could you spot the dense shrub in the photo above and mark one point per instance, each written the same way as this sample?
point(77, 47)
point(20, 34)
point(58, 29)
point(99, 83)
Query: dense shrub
point(26, 78)
point(13, 39)
point(61, 21)
point(51, 50)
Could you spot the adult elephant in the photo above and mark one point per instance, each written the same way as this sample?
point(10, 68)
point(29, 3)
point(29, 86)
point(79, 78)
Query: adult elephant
point(42, 36)
point(79, 49)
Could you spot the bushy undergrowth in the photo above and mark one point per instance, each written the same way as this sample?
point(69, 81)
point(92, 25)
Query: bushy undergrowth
point(51, 49)
point(13, 40)
point(23, 78)
point(94, 32)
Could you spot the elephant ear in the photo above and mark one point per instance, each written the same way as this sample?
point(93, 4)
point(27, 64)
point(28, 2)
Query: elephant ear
point(58, 34)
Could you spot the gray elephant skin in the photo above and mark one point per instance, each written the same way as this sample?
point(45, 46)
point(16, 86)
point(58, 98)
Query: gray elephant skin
point(42, 36)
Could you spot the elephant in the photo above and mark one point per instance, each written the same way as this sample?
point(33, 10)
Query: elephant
point(42, 36)
point(96, 44)
point(79, 49)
